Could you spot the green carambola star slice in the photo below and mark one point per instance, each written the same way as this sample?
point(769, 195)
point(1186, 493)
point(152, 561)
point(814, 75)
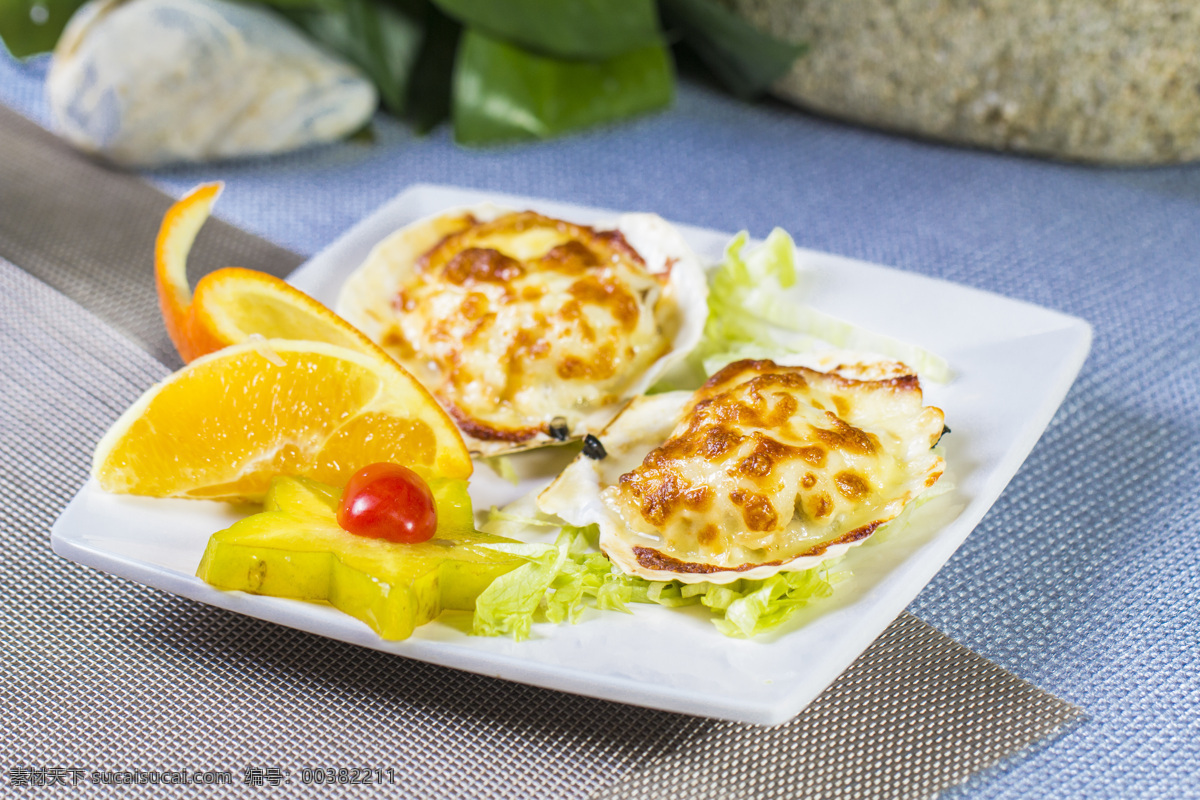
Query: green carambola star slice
point(295, 548)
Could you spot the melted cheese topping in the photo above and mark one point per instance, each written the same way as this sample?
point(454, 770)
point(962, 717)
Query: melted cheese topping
point(765, 468)
point(526, 318)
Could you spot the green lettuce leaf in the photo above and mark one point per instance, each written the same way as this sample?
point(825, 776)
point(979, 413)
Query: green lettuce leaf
point(558, 583)
point(503, 467)
point(773, 601)
point(562, 580)
point(505, 93)
point(589, 30)
point(750, 315)
point(507, 606)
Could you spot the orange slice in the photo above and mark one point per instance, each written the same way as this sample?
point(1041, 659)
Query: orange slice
point(231, 304)
point(223, 426)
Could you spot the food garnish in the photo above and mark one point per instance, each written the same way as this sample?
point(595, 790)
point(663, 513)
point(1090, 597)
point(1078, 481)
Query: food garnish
point(232, 304)
point(751, 315)
point(390, 502)
point(564, 579)
point(223, 426)
point(296, 548)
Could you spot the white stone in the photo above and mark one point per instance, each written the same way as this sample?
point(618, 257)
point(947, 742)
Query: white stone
point(146, 82)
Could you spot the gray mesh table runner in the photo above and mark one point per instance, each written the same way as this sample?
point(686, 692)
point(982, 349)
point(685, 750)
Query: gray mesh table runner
point(103, 674)
point(89, 232)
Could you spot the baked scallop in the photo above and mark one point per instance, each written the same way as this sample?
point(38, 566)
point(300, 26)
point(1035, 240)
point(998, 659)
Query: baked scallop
point(530, 329)
point(766, 468)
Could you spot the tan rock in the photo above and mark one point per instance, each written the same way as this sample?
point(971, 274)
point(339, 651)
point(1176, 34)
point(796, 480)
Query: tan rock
point(1114, 81)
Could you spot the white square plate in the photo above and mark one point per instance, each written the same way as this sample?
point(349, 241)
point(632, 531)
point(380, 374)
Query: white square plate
point(1013, 364)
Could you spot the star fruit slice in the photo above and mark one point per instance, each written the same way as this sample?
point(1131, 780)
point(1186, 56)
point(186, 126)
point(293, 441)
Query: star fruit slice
point(295, 548)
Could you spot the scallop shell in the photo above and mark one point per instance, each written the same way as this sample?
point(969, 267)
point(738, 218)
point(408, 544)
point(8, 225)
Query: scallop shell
point(646, 422)
point(365, 301)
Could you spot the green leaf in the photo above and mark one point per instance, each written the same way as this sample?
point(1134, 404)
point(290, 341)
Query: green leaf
point(430, 84)
point(562, 580)
point(504, 93)
point(29, 27)
point(383, 39)
point(742, 57)
point(573, 29)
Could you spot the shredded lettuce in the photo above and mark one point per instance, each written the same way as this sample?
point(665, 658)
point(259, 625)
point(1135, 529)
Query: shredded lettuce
point(499, 515)
point(747, 608)
point(750, 315)
point(563, 579)
point(503, 467)
point(744, 297)
point(508, 604)
point(559, 582)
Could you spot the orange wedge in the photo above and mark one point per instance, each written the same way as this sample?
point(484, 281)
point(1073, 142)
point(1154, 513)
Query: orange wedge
point(223, 426)
point(231, 304)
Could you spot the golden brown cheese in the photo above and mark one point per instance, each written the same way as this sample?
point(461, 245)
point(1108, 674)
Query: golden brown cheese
point(526, 318)
point(768, 464)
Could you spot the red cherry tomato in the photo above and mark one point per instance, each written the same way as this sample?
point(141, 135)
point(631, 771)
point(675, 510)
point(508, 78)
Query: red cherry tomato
point(388, 501)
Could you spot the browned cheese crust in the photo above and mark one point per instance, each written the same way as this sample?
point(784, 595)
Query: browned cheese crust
point(499, 323)
point(759, 445)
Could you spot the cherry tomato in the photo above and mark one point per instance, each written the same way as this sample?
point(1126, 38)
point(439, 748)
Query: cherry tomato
point(388, 501)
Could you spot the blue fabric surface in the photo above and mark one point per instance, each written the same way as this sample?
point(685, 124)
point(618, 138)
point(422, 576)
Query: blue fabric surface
point(1085, 577)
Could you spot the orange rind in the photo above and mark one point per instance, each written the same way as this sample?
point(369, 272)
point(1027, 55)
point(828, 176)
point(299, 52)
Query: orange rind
point(232, 304)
